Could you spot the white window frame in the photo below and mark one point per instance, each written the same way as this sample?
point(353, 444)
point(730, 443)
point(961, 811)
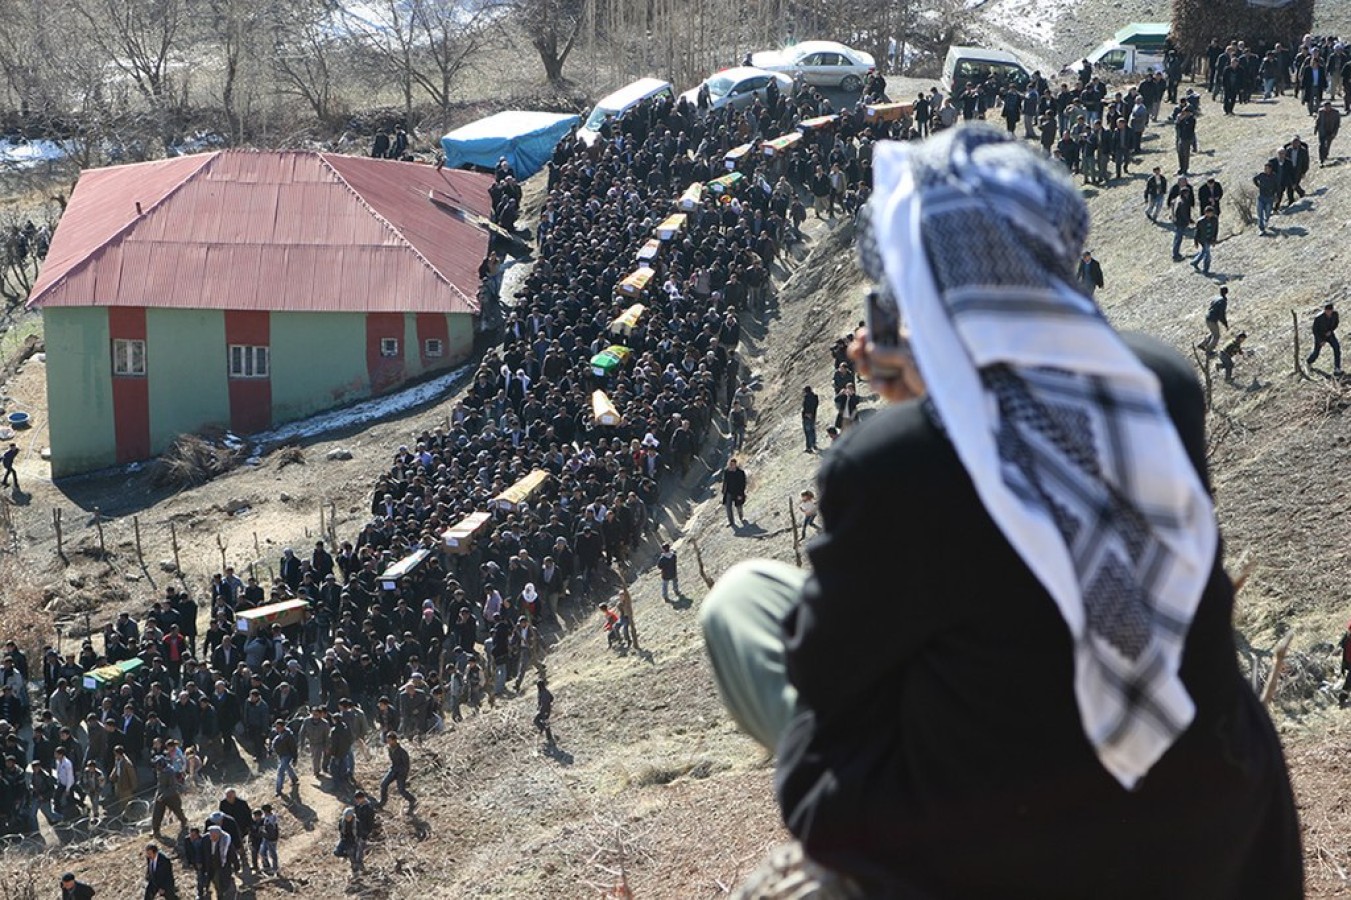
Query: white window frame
point(389, 346)
point(249, 361)
point(433, 347)
point(125, 358)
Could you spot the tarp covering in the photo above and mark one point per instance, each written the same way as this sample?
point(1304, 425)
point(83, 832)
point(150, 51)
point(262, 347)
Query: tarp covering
point(526, 139)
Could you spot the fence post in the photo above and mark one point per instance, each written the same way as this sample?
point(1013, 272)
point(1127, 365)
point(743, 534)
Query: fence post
point(173, 542)
point(98, 524)
point(1295, 317)
point(56, 524)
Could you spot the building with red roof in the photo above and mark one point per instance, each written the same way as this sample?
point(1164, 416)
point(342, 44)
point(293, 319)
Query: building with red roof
point(247, 288)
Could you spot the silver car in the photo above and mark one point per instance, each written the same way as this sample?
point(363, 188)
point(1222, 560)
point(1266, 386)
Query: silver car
point(739, 87)
point(824, 63)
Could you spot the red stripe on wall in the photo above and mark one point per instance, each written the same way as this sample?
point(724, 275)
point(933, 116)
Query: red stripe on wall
point(385, 371)
point(250, 398)
point(131, 393)
point(433, 326)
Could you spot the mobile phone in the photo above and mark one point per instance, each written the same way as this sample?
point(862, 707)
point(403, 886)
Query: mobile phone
point(883, 319)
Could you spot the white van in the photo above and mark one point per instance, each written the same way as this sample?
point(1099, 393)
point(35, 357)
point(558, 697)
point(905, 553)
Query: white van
point(967, 64)
point(620, 101)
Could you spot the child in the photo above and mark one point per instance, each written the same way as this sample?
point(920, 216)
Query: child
point(611, 626)
point(92, 783)
point(271, 834)
point(1232, 349)
point(255, 832)
point(806, 505)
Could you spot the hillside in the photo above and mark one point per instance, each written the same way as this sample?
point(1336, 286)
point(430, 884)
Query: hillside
point(651, 786)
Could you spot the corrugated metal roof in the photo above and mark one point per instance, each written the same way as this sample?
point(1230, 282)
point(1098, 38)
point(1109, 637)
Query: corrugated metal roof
point(271, 230)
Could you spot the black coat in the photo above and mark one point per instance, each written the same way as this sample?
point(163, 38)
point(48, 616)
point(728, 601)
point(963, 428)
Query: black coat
point(161, 883)
point(949, 759)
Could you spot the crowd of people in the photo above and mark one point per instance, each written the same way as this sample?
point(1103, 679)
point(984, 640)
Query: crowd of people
point(370, 660)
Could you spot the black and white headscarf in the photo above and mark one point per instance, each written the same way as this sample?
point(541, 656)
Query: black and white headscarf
point(1061, 428)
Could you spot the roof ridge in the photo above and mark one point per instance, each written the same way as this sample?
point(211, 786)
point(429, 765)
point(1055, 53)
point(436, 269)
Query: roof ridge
point(323, 158)
point(209, 157)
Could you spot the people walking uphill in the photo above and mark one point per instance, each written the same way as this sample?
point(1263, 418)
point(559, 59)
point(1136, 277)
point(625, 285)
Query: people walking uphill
point(159, 875)
point(1325, 332)
point(1156, 191)
point(1217, 314)
point(1048, 693)
point(1089, 274)
point(1207, 233)
point(810, 404)
point(1326, 126)
point(544, 707)
point(1181, 201)
point(283, 746)
point(400, 767)
point(669, 571)
point(7, 460)
point(1268, 184)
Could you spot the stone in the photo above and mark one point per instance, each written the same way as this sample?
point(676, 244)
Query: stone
point(284, 497)
point(167, 565)
point(236, 504)
point(339, 453)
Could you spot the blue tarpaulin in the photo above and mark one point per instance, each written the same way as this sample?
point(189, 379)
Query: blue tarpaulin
point(526, 139)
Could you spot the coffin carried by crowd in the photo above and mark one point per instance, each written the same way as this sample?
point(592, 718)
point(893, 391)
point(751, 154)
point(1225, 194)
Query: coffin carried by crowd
point(522, 492)
point(603, 410)
point(389, 580)
point(635, 283)
point(610, 360)
point(111, 675)
point(260, 618)
point(459, 538)
point(628, 320)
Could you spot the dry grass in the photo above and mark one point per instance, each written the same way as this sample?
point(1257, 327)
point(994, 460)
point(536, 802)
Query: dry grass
point(194, 459)
point(290, 455)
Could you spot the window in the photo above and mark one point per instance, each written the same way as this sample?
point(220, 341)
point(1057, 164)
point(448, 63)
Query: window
point(248, 362)
point(432, 347)
point(128, 357)
point(389, 346)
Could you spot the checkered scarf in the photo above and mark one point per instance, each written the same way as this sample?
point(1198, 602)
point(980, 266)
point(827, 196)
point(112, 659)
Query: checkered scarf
point(1061, 428)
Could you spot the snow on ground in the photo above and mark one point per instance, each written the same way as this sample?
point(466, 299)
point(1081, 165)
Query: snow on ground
point(1033, 19)
point(361, 413)
point(25, 154)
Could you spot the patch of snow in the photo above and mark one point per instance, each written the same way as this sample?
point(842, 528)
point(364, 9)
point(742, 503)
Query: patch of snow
point(365, 411)
point(1032, 19)
point(24, 154)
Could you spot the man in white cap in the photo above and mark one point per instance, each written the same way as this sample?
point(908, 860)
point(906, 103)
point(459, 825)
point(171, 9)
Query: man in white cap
point(1024, 543)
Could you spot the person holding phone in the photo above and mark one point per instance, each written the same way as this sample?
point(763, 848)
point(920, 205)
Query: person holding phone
point(1029, 525)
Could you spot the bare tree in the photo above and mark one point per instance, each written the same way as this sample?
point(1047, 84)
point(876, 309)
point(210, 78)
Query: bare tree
point(553, 27)
point(139, 38)
point(305, 57)
point(450, 37)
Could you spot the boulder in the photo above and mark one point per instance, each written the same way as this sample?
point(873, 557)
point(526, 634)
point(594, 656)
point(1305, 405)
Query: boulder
point(339, 453)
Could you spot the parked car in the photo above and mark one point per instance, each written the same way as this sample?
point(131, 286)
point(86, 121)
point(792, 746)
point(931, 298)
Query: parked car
point(1120, 58)
point(824, 63)
point(739, 87)
point(620, 102)
point(967, 64)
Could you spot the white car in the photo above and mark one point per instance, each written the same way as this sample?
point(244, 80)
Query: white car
point(739, 87)
point(824, 63)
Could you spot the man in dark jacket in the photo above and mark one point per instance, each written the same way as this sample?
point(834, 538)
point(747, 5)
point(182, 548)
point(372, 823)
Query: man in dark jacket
point(159, 875)
point(1325, 332)
point(810, 403)
point(399, 769)
point(1217, 314)
point(1268, 186)
point(1090, 274)
point(886, 771)
point(734, 491)
point(1207, 233)
point(73, 889)
point(1181, 200)
point(1327, 124)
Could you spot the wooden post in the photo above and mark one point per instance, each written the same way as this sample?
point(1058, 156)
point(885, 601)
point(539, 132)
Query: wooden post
point(332, 525)
point(699, 558)
point(136, 527)
point(797, 543)
point(56, 525)
point(98, 524)
point(1295, 317)
point(173, 542)
point(221, 545)
point(322, 531)
point(1205, 370)
point(1278, 660)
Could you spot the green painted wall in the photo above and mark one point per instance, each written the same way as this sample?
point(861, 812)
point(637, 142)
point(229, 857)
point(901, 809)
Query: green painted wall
point(79, 389)
point(186, 369)
point(412, 347)
point(461, 337)
point(318, 361)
